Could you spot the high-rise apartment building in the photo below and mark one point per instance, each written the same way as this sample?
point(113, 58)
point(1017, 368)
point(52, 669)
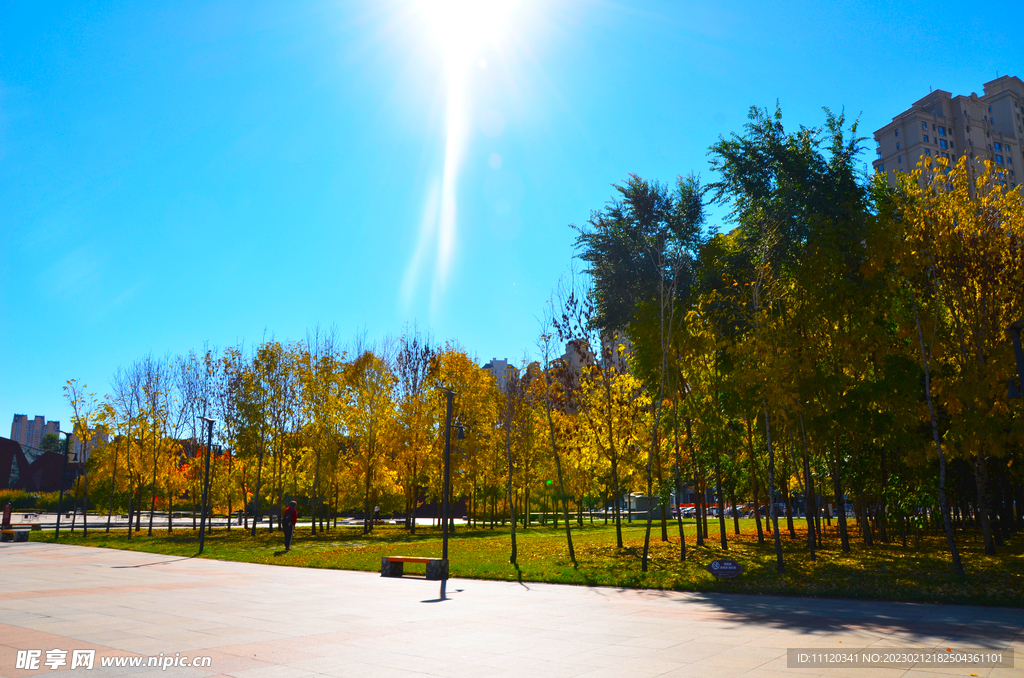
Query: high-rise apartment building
point(988, 127)
point(81, 452)
point(501, 371)
point(30, 432)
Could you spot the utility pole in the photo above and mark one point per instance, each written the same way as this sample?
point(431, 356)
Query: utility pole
point(450, 395)
point(63, 477)
point(206, 483)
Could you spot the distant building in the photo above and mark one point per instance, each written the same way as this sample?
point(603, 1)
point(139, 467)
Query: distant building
point(988, 127)
point(501, 371)
point(30, 432)
point(578, 354)
point(80, 452)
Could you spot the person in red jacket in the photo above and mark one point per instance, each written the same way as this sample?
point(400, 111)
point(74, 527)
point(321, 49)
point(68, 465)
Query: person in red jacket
point(291, 516)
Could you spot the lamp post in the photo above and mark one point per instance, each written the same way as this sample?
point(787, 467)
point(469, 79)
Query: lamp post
point(450, 396)
point(63, 476)
point(1014, 330)
point(206, 482)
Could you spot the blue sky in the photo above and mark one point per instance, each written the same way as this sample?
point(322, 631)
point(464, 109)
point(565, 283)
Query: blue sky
point(219, 172)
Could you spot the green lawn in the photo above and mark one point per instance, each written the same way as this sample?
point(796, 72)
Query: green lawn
point(886, 571)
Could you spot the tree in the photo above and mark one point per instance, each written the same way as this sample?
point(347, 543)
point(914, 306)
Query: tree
point(412, 367)
point(558, 387)
point(371, 385)
point(51, 443)
point(962, 258)
point(640, 252)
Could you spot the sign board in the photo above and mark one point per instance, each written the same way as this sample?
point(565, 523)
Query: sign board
point(724, 568)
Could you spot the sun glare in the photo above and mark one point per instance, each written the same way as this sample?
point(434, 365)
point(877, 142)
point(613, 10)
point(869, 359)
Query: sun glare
point(463, 31)
point(463, 27)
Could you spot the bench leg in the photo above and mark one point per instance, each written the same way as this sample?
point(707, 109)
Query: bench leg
point(389, 569)
point(437, 570)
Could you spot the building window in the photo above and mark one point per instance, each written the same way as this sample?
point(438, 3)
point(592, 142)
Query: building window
point(999, 159)
point(998, 146)
point(942, 131)
point(881, 168)
point(899, 159)
point(897, 145)
point(1009, 160)
point(897, 132)
point(926, 138)
point(942, 143)
point(928, 152)
point(924, 125)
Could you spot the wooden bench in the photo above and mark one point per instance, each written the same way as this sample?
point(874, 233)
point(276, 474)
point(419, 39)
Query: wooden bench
point(13, 534)
point(392, 566)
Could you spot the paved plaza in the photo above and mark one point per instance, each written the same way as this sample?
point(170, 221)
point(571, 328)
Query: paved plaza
point(264, 621)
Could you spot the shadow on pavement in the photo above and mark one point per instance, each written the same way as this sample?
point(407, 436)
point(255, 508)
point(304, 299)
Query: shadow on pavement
point(159, 562)
point(973, 626)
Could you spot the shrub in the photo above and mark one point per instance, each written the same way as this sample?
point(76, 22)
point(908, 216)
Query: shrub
point(47, 501)
point(18, 499)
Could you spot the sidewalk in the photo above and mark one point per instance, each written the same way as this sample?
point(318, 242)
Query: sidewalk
point(264, 621)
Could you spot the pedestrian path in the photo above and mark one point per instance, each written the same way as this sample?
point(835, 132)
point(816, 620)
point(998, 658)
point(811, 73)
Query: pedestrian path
point(265, 621)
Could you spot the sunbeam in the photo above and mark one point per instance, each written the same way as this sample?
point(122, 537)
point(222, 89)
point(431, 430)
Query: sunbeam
point(460, 29)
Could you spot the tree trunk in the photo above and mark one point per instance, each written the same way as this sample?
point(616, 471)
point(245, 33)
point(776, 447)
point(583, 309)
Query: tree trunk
point(753, 481)
point(85, 493)
point(980, 464)
point(561, 490)
point(943, 503)
point(415, 499)
point(256, 509)
point(880, 515)
point(617, 500)
point(698, 509)
point(511, 499)
point(865, 523)
point(679, 490)
point(113, 489)
point(152, 492)
point(721, 499)
point(837, 488)
point(131, 489)
point(1007, 524)
point(773, 505)
point(810, 505)
point(789, 503)
point(735, 515)
point(650, 479)
point(367, 516)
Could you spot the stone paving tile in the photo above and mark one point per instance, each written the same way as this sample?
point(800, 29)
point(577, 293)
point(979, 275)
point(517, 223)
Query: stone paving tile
point(258, 620)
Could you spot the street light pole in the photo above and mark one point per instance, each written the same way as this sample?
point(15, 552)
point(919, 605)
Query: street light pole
point(450, 395)
point(206, 483)
point(63, 477)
